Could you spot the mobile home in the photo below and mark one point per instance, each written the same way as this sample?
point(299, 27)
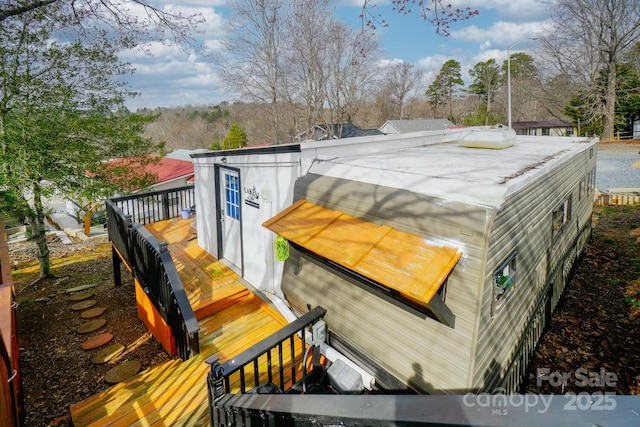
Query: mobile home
point(438, 256)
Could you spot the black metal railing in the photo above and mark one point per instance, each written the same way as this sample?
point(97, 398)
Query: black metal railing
point(151, 264)
point(264, 410)
point(119, 229)
point(147, 208)
point(279, 372)
point(156, 272)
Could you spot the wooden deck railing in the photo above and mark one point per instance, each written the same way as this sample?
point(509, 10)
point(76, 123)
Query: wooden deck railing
point(151, 264)
point(617, 199)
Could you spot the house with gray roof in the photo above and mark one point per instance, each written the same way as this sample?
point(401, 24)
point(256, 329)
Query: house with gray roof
point(338, 131)
point(414, 125)
point(545, 128)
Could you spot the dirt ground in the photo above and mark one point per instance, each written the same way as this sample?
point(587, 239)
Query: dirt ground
point(597, 325)
point(56, 372)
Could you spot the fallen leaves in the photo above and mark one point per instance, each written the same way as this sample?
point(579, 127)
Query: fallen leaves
point(597, 325)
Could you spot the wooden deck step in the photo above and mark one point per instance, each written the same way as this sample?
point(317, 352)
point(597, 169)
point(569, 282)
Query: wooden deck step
point(224, 298)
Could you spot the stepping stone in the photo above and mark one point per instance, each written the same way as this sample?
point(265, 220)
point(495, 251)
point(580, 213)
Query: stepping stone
point(122, 372)
point(90, 326)
point(83, 305)
point(81, 296)
point(97, 341)
point(107, 353)
point(92, 312)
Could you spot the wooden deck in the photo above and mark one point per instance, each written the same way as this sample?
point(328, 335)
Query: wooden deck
point(231, 320)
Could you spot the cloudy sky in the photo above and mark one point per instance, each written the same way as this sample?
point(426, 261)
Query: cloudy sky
point(169, 77)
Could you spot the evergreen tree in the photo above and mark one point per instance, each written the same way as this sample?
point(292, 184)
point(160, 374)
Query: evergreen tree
point(236, 138)
point(445, 85)
point(487, 79)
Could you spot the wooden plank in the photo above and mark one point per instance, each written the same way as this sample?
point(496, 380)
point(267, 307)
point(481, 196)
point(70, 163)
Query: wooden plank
point(207, 281)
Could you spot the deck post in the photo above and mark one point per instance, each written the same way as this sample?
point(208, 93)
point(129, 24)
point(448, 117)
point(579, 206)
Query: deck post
point(194, 343)
point(215, 386)
point(165, 205)
point(115, 258)
point(129, 247)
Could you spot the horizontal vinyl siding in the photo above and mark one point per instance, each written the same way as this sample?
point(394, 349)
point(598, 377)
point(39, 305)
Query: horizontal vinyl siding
point(395, 338)
point(525, 224)
point(418, 351)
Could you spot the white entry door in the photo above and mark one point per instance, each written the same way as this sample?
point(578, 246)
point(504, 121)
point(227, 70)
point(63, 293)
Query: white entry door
point(230, 217)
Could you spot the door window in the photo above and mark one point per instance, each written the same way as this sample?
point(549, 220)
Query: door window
point(232, 192)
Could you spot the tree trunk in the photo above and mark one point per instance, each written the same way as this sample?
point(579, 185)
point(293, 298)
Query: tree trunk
point(39, 231)
point(486, 113)
point(610, 103)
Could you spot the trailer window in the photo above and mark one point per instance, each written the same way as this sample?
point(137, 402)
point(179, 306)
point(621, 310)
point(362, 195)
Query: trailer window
point(561, 215)
point(582, 188)
point(504, 283)
point(592, 180)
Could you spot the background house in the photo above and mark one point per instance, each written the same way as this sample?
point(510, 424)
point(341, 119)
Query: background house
point(171, 173)
point(338, 130)
point(545, 128)
point(183, 154)
point(414, 125)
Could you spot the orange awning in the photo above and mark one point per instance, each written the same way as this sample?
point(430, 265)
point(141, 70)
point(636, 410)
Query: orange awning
point(400, 261)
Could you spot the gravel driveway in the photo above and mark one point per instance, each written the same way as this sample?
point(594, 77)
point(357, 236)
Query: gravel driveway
point(615, 166)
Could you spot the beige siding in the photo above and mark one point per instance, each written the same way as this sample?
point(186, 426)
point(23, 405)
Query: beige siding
point(400, 341)
point(524, 224)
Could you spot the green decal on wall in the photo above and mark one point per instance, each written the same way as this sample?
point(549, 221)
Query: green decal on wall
point(281, 248)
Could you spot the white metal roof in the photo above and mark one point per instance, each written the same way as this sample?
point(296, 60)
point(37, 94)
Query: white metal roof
point(438, 166)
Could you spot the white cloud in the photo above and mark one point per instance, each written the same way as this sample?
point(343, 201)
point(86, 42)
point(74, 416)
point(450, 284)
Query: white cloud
point(486, 45)
point(432, 63)
point(167, 75)
point(359, 3)
point(500, 33)
point(384, 63)
point(511, 10)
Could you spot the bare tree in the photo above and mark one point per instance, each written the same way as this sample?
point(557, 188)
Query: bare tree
point(331, 66)
point(88, 17)
point(589, 40)
point(352, 73)
point(311, 22)
point(252, 64)
point(400, 80)
point(440, 14)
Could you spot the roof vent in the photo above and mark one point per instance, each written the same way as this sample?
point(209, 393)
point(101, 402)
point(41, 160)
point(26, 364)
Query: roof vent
point(496, 138)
